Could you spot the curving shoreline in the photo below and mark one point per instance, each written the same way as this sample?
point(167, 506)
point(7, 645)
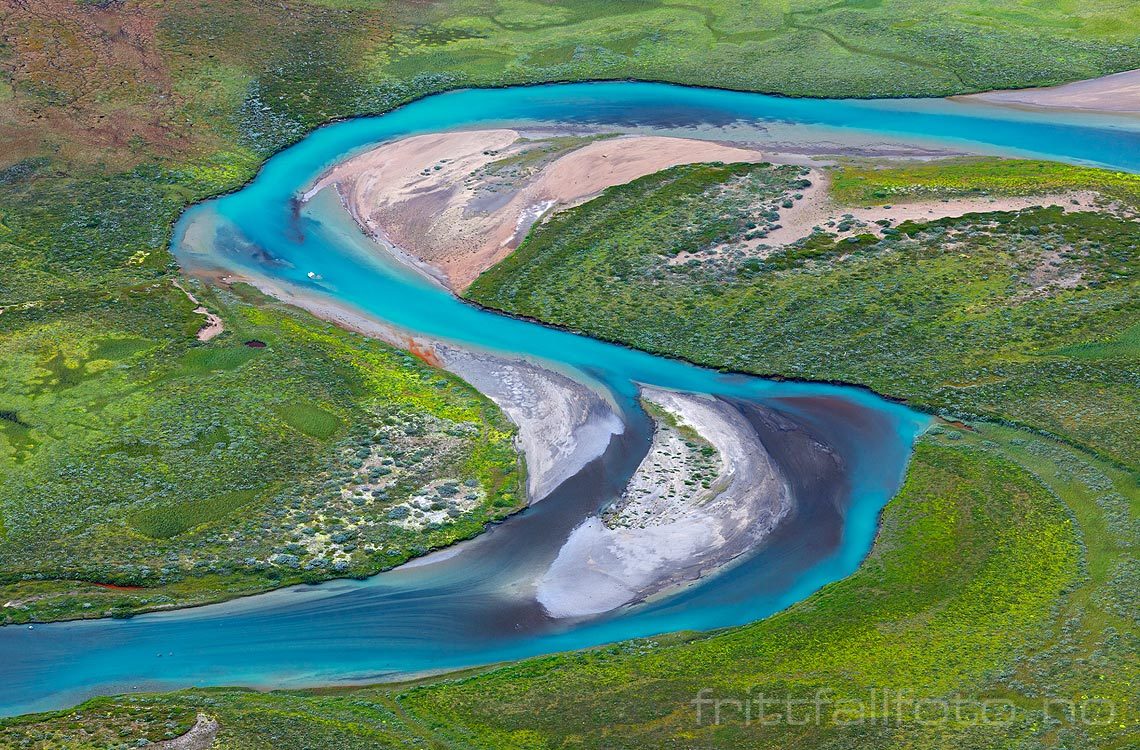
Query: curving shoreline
point(563, 425)
point(454, 204)
point(675, 522)
point(1117, 93)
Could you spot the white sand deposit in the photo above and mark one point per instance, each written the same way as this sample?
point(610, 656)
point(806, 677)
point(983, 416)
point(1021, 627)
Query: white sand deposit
point(706, 492)
point(199, 737)
point(563, 425)
point(443, 199)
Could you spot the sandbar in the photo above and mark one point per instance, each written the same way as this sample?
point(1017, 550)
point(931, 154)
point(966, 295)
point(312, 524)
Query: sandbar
point(462, 201)
point(1119, 92)
point(706, 493)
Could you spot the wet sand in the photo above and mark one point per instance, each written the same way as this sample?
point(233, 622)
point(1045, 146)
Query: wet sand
point(669, 527)
point(1119, 92)
point(563, 425)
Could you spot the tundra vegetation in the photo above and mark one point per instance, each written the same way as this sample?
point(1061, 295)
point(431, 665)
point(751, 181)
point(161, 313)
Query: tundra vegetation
point(1026, 317)
point(180, 472)
point(1005, 569)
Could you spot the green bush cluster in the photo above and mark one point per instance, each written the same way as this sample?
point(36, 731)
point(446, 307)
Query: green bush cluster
point(1022, 317)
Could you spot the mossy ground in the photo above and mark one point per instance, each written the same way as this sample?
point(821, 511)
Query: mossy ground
point(204, 470)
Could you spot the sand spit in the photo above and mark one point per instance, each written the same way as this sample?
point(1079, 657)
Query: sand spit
point(453, 204)
point(462, 201)
point(200, 737)
point(706, 492)
point(1119, 92)
point(563, 425)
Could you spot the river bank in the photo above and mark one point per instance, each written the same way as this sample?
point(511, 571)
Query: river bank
point(705, 493)
point(1119, 93)
point(459, 202)
point(452, 205)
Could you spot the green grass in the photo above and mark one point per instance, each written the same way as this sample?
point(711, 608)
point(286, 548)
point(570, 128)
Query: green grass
point(203, 361)
point(870, 183)
point(309, 419)
point(1125, 346)
point(165, 521)
point(966, 317)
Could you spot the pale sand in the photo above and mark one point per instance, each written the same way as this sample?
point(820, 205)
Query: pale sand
point(199, 737)
point(1119, 92)
point(424, 194)
point(817, 208)
point(664, 532)
point(563, 425)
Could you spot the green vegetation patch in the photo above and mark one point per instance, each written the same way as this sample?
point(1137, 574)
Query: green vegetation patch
point(967, 317)
point(245, 468)
point(868, 183)
point(309, 418)
point(164, 522)
point(1125, 346)
point(205, 360)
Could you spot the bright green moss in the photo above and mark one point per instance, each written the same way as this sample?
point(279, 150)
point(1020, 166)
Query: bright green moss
point(856, 183)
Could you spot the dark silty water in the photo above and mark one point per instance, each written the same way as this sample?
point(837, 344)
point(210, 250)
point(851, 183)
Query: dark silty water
point(843, 450)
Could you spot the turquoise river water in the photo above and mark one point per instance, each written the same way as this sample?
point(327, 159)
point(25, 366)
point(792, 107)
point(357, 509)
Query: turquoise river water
point(473, 607)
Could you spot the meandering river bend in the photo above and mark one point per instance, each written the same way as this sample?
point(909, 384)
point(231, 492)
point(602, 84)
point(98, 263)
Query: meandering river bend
point(469, 608)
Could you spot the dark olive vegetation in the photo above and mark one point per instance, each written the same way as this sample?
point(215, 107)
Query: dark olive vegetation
point(1018, 317)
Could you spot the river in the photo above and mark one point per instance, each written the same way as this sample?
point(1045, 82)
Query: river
point(475, 607)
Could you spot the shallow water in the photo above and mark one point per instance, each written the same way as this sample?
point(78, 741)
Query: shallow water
point(477, 606)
